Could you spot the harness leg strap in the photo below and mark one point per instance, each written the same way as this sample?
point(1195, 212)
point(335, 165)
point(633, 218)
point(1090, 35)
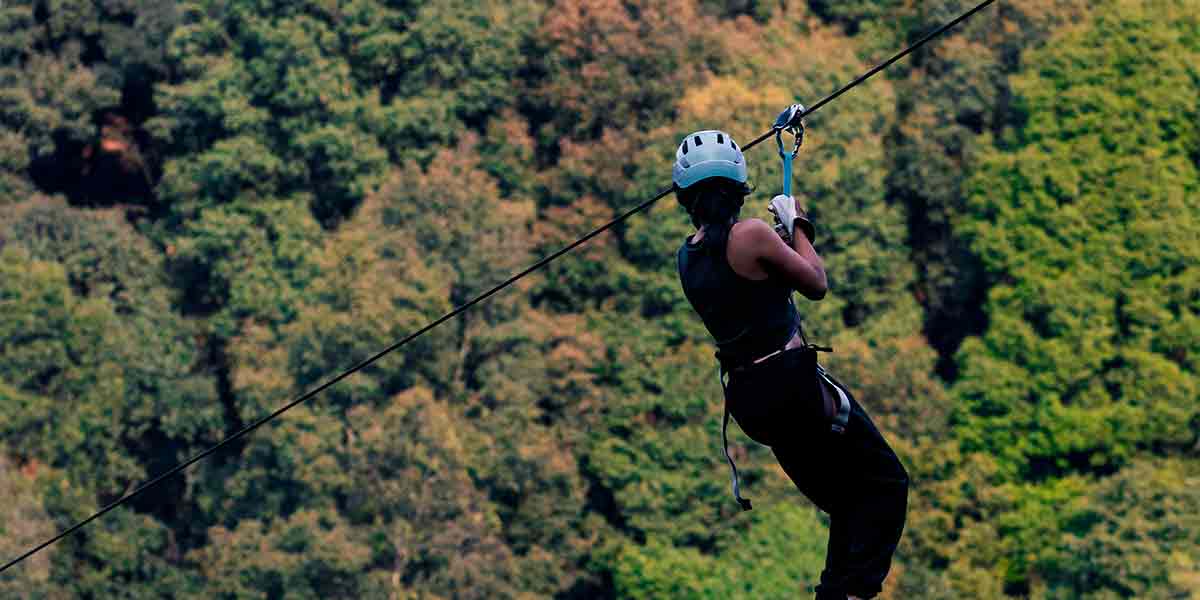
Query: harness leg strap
point(842, 417)
point(737, 488)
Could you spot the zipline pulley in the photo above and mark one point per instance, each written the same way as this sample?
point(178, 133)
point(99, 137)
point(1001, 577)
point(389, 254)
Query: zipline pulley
point(791, 120)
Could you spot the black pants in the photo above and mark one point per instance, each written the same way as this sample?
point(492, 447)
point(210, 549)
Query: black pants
point(854, 477)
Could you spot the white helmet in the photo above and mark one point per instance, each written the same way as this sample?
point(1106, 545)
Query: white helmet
point(705, 154)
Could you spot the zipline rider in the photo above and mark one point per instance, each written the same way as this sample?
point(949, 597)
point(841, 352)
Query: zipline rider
point(739, 276)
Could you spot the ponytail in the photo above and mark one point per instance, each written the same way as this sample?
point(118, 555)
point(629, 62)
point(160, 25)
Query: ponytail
point(714, 203)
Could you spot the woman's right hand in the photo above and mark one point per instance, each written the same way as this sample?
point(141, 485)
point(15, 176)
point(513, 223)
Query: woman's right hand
point(786, 210)
point(790, 214)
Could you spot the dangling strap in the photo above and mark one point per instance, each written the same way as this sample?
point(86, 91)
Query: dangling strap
point(737, 489)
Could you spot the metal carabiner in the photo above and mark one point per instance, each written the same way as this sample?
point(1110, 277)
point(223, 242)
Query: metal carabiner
point(790, 120)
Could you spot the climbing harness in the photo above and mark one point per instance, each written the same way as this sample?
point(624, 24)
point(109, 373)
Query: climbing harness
point(830, 392)
point(465, 306)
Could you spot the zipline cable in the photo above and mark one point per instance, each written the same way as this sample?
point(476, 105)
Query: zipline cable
point(464, 307)
point(881, 66)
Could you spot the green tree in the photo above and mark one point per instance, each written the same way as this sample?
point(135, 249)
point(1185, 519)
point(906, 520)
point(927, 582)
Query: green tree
point(1086, 361)
point(286, 119)
point(48, 102)
point(1085, 220)
point(950, 93)
point(78, 78)
point(109, 371)
point(779, 555)
point(23, 524)
point(618, 65)
point(310, 554)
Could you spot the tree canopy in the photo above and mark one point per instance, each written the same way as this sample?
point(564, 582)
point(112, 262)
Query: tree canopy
point(209, 207)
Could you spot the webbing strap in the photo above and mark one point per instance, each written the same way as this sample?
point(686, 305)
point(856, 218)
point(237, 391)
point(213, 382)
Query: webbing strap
point(842, 417)
point(737, 488)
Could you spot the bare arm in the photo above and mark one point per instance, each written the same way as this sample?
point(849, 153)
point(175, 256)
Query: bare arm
point(806, 251)
point(799, 265)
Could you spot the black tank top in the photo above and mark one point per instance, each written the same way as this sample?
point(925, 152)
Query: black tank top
point(746, 318)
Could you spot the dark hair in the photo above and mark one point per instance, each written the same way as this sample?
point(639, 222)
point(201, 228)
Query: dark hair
point(714, 202)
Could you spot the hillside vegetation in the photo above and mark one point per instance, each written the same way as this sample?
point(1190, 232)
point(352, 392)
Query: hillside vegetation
point(208, 207)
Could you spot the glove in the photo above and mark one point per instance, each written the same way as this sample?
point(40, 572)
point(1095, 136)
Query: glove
point(787, 216)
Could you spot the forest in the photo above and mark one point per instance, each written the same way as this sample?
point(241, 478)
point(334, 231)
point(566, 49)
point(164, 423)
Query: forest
point(209, 207)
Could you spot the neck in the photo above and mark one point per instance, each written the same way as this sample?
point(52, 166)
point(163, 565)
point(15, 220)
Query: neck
point(705, 226)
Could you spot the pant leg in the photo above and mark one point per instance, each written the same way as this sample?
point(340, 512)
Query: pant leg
point(865, 534)
point(836, 555)
point(810, 464)
point(857, 479)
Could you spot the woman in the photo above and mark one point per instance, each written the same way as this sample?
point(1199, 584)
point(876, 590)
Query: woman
point(739, 276)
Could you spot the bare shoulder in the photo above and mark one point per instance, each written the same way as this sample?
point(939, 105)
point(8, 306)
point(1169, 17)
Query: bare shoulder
point(748, 243)
point(752, 230)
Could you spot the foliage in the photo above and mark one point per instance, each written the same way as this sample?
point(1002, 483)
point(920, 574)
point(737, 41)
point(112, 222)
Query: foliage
point(210, 207)
point(1085, 361)
point(1084, 366)
point(77, 78)
point(949, 96)
point(23, 525)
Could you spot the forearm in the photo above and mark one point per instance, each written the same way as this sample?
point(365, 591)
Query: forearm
point(806, 251)
point(790, 214)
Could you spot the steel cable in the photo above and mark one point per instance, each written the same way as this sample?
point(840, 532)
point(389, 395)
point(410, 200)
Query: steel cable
point(464, 307)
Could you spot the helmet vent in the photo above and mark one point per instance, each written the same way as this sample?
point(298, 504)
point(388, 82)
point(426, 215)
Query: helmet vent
point(701, 155)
